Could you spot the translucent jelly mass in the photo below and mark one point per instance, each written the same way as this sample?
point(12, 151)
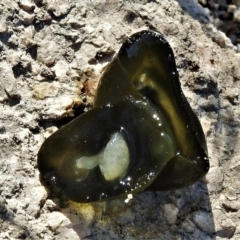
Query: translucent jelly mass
point(140, 134)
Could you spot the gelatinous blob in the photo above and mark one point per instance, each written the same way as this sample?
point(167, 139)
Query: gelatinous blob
point(140, 134)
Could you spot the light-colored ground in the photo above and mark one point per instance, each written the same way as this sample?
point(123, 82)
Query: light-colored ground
point(52, 53)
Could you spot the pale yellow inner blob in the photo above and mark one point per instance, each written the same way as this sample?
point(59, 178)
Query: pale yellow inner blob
point(113, 160)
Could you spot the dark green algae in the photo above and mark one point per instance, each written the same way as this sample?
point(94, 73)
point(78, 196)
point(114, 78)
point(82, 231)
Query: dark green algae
point(140, 120)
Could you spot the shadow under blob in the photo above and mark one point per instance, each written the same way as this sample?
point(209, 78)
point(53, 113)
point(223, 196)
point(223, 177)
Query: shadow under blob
point(184, 214)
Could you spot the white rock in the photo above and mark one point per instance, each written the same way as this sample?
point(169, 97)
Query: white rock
point(7, 80)
point(61, 68)
point(14, 57)
point(215, 179)
point(236, 15)
point(27, 37)
point(129, 197)
point(47, 52)
point(206, 124)
point(218, 217)
point(13, 40)
point(23, 134)
point(12, 203)
point(38, 194)
point(45, 89)
point(229, 228)
point(55, 220)
point(26, 5)
point(68, 234)
point(26, 60)
point(37, 197)
point(204, 221)
point(231, 8)
point(231, 193)
point(35, 69)
point(3, 27)
point(170, 212)
point(51, 205)
point(57, 107)
point(26, 18)
point(58, 7)
point(50, 131)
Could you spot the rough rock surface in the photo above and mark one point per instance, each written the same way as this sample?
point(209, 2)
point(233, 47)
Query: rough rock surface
point(52, 53)
point(225, 15)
